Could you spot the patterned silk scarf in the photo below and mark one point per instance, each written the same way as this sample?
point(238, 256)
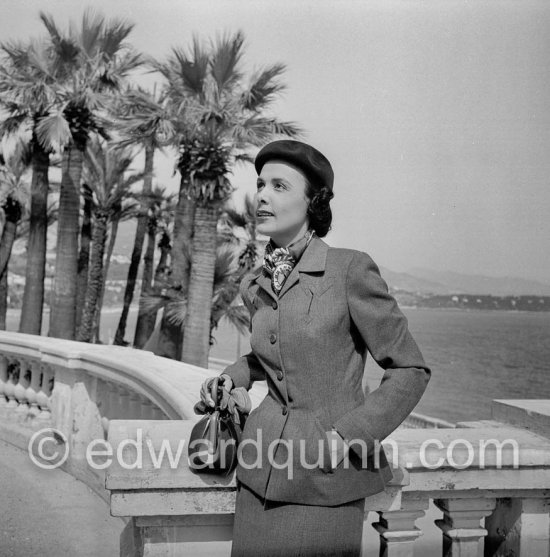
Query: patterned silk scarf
point(279, 262)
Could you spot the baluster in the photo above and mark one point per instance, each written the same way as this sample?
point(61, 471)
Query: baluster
point(134, 405)
point(3, 382)
point(124, 402)
point(9, 388)
point(114, 402)
point(397, 529)
point(461, 525)
point(102, 401)
point(33, 388)
point(519, 527)
point(43, 396)
point(20, 390)
point(146, 409)
point(535, 526)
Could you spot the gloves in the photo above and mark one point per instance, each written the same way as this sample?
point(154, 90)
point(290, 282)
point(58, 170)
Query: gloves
point(209, 390)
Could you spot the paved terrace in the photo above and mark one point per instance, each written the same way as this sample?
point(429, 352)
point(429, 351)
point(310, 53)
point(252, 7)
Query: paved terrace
point(492, 501)
point(50, 513)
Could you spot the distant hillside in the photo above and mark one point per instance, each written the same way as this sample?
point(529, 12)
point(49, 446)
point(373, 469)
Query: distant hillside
point(417, 282)
point(415, 285)
point(479, 284)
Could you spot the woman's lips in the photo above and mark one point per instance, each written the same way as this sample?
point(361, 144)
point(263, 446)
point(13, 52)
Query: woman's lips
point(264, 214)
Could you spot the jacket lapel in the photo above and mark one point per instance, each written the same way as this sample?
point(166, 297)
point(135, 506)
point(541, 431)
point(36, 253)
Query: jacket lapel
point(313, 260)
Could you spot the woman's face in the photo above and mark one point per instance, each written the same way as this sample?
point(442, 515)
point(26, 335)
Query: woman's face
point(281, 202)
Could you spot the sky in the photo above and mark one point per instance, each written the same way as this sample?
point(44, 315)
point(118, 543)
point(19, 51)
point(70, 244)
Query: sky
point(435, 115)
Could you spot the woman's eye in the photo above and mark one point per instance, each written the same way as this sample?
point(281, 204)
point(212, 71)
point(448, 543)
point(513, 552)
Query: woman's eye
point(259, 186)
point(279, 186)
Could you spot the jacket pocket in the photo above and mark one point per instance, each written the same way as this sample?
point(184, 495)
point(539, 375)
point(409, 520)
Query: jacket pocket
point(309, 442)
point(317, 301)
point(323, 452)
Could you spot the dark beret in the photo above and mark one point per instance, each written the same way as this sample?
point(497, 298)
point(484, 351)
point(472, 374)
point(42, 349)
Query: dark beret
point(312, 162)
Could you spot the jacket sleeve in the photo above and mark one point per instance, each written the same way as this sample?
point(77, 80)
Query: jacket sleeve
point(247, 368)
point(384, 331)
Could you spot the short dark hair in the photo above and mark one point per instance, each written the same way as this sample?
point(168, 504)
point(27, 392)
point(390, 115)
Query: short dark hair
point(318, 211)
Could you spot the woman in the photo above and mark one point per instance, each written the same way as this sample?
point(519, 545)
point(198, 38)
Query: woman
point(308, 452)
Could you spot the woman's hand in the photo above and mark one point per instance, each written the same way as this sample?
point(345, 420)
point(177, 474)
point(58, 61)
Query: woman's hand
point(337, 447)
point(209, 389)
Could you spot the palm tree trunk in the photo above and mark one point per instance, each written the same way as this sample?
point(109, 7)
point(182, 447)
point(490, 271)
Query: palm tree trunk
point(170, 338)
point(63, 312)
point(106, 265)
point(35, 271)
point(162, 266)
point(135, 260)
point(196, 332)
point(183, 238)
point(145, 323)
point(95, 281)
point(12, 210)
point(3, 299)
point(84, 255)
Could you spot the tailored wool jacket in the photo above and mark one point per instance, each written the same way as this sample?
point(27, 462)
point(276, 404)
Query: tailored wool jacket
point(310, 344)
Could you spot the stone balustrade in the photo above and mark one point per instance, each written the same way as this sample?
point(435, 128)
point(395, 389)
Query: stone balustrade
point(79, 388)
point(489, 480)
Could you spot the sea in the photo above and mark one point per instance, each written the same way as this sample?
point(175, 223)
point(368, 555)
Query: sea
point(475, 356)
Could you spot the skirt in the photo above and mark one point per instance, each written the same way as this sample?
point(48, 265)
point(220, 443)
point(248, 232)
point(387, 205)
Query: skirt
point(274, 529)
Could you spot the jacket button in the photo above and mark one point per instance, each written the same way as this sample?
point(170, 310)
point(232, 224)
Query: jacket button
point(280, 375)
point(272, 338)
point(285, 410)
point(274, 305)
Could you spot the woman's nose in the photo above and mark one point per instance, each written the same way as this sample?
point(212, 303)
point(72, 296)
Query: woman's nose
point(261, 197)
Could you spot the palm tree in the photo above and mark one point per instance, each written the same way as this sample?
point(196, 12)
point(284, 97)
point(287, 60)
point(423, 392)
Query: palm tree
point(245, 221)
point(106, 173)
point(220, 116)
point(129, 210)
point(144, 121)
point(92, 61)
point(161, 216)
point(27, 94)
point(224, 302)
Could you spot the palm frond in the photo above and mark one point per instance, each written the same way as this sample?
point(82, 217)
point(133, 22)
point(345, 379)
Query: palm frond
point(238, 316)
point(131, 179)
point(250, 208)
point(264, 88)
point(16, 52)
point(115, 32)
point(234, 217)
point(15, 125)
point(53, 131)
point(257, 130)
point(224, 61)
point(130, 209)
point(176, 311)
point(225, 265)
point(151, 302)
point(91, 31)
point(143, 119)
point(51, 27)
point(65, 49)
point(244, 157)
point(114, 74)
point(190, 73)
